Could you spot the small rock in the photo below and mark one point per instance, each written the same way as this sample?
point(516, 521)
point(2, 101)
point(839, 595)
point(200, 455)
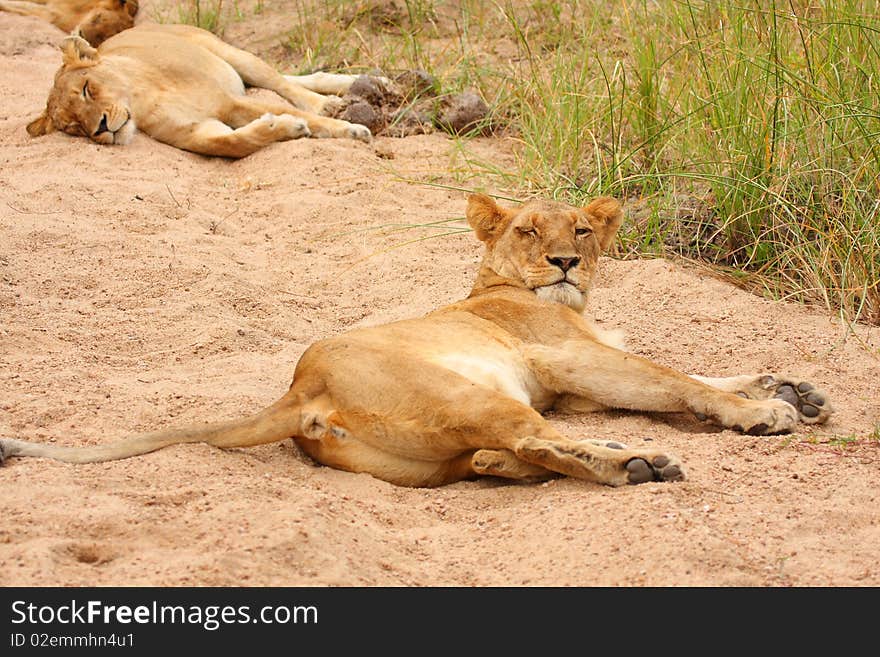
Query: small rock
point(368, 89)
point(363, 113)
point(462, 113)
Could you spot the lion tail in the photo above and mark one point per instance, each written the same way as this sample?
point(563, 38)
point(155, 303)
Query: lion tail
point(279, 421)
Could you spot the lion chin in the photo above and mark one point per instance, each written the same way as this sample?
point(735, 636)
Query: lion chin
point(564, 293)
point(124, 135)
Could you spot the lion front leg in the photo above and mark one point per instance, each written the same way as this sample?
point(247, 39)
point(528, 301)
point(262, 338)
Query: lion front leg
point(331, 86)
point(617, 379)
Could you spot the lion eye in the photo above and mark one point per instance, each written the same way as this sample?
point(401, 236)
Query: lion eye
point(531, 232)
point(85, 92)
point(582, 231)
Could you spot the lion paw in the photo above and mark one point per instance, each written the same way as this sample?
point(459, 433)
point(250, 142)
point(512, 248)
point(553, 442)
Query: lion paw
point(287, 126)
point(613, 465)
point(360, 132)
point(770, 416)
point(657, 468)
point(813, 405)
point(331, 106)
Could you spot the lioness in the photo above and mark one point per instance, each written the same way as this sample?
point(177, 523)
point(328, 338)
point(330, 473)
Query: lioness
point(459, 392)
point(93, 20)
point(185, 87)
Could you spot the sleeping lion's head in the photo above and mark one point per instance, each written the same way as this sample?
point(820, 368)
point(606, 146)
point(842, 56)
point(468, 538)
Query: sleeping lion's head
point(108, 17)
point(551, 248)
point(87, 99)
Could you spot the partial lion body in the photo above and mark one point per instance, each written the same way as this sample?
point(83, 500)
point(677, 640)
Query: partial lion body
point(93, 20)
point(185, 87)
point(459, 393)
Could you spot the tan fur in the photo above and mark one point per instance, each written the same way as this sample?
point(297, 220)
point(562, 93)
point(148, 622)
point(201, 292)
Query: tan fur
point(93, 20)
point(459, 392)
point(185, 87)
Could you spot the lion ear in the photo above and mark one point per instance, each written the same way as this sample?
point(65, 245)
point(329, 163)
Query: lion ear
point(131, 6)
point(605, 215)
point(76, 51)
point(486, 217)
point(42, 125)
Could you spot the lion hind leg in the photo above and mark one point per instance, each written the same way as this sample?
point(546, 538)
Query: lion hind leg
point(517, 442)
point(323, 434)
point(246, 110)
point(504, 463)
point(214, 137)
point(613, 466)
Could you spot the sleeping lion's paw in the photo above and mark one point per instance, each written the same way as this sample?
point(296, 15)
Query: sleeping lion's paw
point(645, 465)
point(331, 106)
point(813, 404)
point(656, 467)
point(286, 126)
point(360, 132)
point(761, 417)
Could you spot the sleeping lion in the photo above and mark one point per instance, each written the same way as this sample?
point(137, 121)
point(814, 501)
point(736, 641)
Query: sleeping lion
point(459, 392)
point(93, 20)
point(185, 87)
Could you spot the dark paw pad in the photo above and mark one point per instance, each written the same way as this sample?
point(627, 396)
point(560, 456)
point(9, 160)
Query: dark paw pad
point(639, 471)
point(804, 397)
point(672, 473)
point(809, 410)
point(659, 469)
point(787, 394)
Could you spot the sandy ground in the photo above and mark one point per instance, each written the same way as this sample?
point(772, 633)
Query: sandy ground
point(145, 287)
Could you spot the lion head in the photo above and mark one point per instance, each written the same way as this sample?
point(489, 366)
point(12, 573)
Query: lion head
point(549, 247)
point(87, 99)
point(109, 17)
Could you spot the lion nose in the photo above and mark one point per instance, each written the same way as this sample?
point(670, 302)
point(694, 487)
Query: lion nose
point(103, 126)
point(564, 263)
